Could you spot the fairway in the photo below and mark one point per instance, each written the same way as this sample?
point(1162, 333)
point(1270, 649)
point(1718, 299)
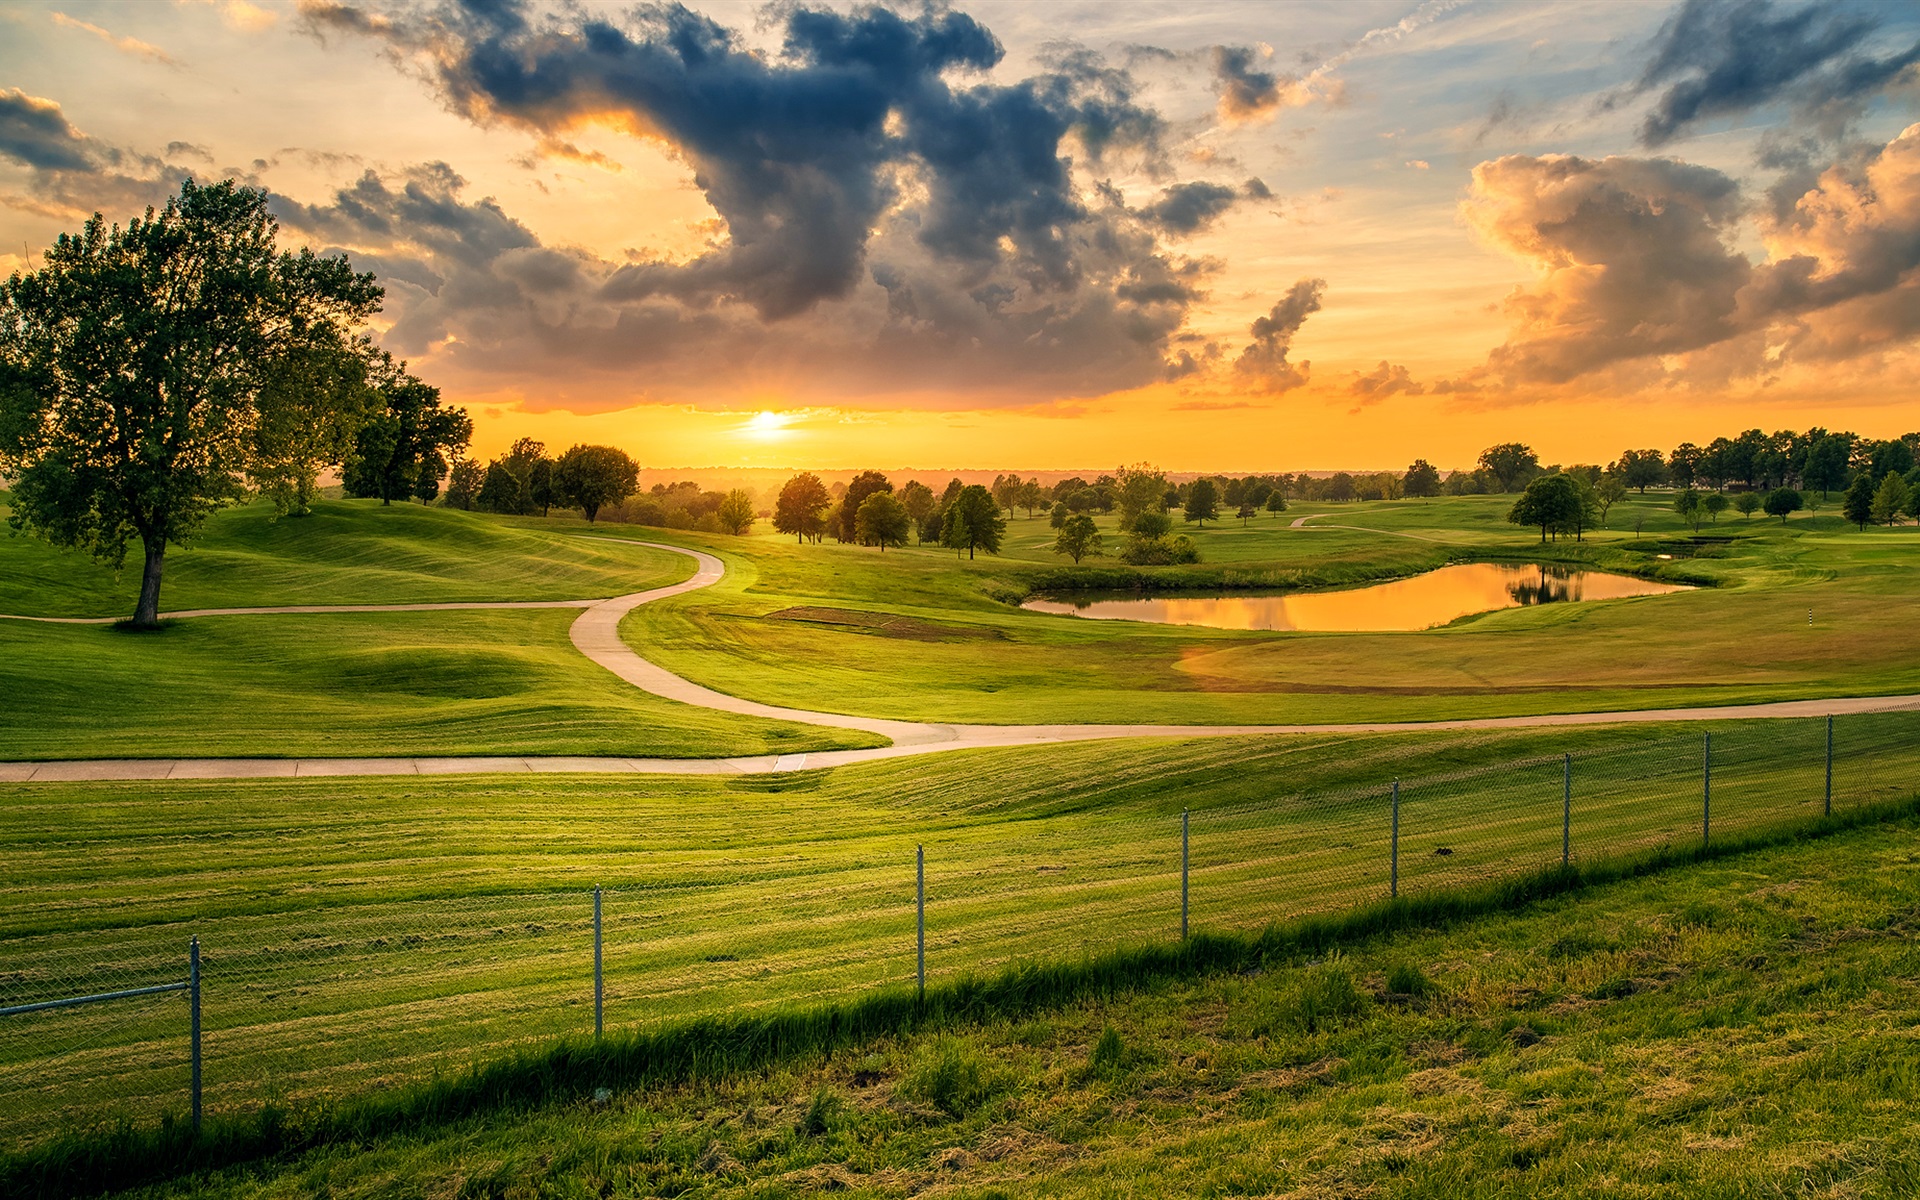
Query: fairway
point(1745, 637)
point(367, 933)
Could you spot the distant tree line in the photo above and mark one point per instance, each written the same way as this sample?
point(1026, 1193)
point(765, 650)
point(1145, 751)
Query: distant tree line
point(525, 481)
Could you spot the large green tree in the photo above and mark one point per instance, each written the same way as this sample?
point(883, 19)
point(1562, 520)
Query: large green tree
point(1079, 537)
point(1511, 463)
point(315, 400)
point(587, 477)
point(404, 448)
point(800, 508)
point(1826, 465)
point(865, 484)
point(132, 363)
point(974, 522)
point(735, 513)
point(1552, 502)
point(1203, 502)
point(1422, 479)
point(882, 521)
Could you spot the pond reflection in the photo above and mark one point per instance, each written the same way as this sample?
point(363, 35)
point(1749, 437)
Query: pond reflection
point(1422, 602)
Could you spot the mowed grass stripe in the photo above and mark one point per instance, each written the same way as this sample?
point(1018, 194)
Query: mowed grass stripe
point(722, 896)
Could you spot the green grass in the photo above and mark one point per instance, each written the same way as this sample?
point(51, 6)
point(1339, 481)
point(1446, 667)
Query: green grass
point(1739, 1027)
point(367, 684)
point(975, 658)
point(361, 934)
point(347, 552)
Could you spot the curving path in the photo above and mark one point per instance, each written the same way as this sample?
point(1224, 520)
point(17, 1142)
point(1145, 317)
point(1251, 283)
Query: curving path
point(596, 634)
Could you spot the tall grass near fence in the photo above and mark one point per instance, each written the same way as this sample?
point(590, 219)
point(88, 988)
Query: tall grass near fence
point(309, 1003)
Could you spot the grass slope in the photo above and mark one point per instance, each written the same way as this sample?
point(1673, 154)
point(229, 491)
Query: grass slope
point(370, 684)
point(347, 552)
point(433, 683)
point(363, 933)
point(969, 656)
point(1740, 1028)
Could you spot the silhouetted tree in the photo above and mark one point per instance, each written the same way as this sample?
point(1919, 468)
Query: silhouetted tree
point(801, 507)
point(1511, 463)
point(1203, 502)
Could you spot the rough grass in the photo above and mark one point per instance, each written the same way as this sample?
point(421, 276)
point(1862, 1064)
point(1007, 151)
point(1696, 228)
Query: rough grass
point(1743, 640)
point(1743, 1026)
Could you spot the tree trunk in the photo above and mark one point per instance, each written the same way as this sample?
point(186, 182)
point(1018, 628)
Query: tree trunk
point(146, 614)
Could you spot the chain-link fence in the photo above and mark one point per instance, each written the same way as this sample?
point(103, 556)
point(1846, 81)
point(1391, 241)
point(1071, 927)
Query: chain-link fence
point(311, 1001)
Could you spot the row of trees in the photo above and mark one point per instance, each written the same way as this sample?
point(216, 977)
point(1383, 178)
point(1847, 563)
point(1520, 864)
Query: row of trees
point(524, 480)
point(869, 512)
point(1816, 460)
point(152, 373)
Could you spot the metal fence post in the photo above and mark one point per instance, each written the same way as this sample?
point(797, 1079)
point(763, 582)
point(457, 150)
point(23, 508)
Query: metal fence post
point(1829, 801)
point(599, 978)
point(1183, 874)
point(920, 915)
point(1566, 809)
point(1393, 877)
point(1706, 794)
point(193, 1010)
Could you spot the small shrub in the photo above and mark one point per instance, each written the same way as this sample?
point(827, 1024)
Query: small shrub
point(1406, 979)
point(950, 1075)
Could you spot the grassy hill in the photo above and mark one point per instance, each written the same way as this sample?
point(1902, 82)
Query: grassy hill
point(1738, 1028)
point(456, 683)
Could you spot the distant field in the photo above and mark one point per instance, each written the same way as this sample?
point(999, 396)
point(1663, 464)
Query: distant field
point(366, 932)
point(973, 657)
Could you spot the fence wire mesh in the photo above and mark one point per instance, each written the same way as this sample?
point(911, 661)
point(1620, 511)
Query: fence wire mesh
point(311, 999)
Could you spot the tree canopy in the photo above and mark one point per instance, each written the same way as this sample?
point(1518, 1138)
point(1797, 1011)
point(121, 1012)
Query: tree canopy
point(974, 522)
point(402, 449)
point(1511, 463)
point(801, 507)
point(865, 484)
point(587, 477)
point(1203, 502)
point(883, 521)
point(1078, 538)
point(735, 513)
point(132, 364)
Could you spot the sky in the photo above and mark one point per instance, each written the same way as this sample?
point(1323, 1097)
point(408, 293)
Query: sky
point(1211, 236)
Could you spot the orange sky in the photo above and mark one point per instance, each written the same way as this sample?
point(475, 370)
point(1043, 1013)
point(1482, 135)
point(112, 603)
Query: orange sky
point(1434, 225)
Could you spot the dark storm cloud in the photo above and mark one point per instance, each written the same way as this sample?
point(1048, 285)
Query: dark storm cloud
point(1264, 361)
point(878, 194)
point(1714, 58)
point(35, 132)
point(1186, 208)
point(1246, 92)
point(798, 154)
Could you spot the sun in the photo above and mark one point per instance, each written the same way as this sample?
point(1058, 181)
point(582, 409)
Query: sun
point(767, 425)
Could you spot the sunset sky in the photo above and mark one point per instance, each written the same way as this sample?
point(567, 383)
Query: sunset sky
point(1216, 236)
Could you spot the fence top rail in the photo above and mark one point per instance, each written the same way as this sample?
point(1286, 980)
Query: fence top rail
point(97, 997)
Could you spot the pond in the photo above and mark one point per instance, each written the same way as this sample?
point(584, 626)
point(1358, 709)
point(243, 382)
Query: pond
point(1422, 602)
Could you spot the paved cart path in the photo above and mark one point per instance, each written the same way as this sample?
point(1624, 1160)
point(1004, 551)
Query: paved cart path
point(596, 634)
